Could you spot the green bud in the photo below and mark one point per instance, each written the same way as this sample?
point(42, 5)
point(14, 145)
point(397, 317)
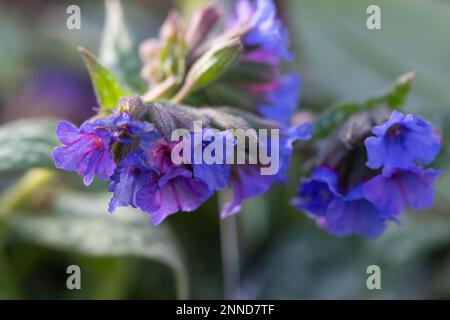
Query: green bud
point(209, 67)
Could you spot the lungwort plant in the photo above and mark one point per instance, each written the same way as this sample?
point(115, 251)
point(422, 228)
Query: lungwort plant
point(213, 75)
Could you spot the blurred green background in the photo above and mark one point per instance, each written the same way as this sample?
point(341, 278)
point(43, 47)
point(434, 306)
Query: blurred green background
point(283, 254)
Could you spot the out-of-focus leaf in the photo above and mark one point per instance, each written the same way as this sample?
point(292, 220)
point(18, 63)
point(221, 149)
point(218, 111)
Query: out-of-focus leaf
point(417, 236)
point(310, 264)
point(117, 51)
point(18, 194)
point(393, 99)
point(80, 224)
point(107, 88)
point(26, 144)
point(347, 61)
point(8, 289)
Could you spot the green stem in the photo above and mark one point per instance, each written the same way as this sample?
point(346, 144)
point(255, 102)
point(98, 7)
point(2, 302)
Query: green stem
point(23, 189)
point(181, 283)
point(230, 255)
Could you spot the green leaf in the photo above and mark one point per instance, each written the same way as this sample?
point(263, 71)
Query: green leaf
point(347, 61)
point(117, 50)
point(107, 88)
point(334, 117)
point(80, 224)
point(26, 144)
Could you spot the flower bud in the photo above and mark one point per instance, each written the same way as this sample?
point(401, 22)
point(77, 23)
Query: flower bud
point(209, 67)
point(202, 23)
point(173, 27)
point(149, 49)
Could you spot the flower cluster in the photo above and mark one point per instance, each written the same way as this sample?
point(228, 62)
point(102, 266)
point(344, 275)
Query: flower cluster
point(371, 172)
point(131, 149)
point(137, 160)
point(392, 181)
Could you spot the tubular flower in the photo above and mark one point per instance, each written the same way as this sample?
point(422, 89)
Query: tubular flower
point(85, 150)
point(360, 200)
point(401, 142)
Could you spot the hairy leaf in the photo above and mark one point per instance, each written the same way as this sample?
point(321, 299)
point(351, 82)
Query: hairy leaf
point(80, 224)
point(28, 143)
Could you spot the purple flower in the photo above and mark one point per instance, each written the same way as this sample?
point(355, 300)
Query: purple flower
point(177, 190)
point(131, 175)
point(247, 180)
point(149, 180)
point(399, 189)
point(173, 189)
point(51, 90)
point(316, 192)
point(353, 214)
point(401, 142)
point(339, 214)
point(280, 104)
point(265, 30)
point(86, 151)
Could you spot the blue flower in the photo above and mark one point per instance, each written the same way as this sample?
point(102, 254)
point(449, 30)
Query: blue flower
point(266, 31)
point(131, 175)
point(85, 150)
point(290, 135)
point(88, 150)
point(399, 189)
point(148, 179)
point(248, 182)
point(316, 192)
point(353, 214)
point(280, 104)
point(339, 214)
point(218, 174)
point(401, 142)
